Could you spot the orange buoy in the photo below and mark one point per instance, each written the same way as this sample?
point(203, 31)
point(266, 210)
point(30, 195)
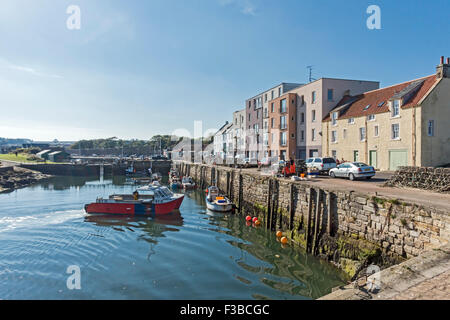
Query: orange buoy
point(254, 219)
point(284, 240)
point(248, 218)
point(279, 234)
point(257, 223)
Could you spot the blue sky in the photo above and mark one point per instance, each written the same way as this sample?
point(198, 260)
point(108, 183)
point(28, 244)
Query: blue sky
point(140, 68)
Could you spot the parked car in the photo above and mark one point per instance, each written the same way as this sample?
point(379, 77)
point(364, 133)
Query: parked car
point(159, 158)
point(353, 170)
point(321, 164)
point(266, 161)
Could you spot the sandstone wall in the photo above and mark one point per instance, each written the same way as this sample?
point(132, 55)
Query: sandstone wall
point(349, 226)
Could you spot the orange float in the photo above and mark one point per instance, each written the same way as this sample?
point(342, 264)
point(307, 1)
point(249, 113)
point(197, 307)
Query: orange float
point(279, 234)
point(284, 240)
point(257, 223)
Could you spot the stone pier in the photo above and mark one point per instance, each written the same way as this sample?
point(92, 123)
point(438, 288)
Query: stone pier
point(350, 229)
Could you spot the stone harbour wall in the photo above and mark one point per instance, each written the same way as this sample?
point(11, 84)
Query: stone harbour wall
point(350, 229)
point(437, 179)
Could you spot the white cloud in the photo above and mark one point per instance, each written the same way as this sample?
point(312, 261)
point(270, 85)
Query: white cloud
point(246, 7)
point(34, 72)
point(7, 64)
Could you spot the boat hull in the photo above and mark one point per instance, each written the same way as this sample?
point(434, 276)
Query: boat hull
point(219, 207)
point(122, 208)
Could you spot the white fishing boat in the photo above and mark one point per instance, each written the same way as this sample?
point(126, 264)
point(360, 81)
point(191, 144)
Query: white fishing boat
point(216, 202)
point(188, 183)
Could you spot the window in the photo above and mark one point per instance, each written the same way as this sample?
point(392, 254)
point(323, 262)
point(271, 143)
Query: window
point(362, 134)
point(344, 133)
point(313, 134)
point(334, 117)
point(283, 124)
point(249, 116)
point(265, 97)
point(376, 131)
point(249, 104)
point(351, 120)
point(333, 136)
point(302, 117)
point(272, 96)
point(293, 135)
point(334, 154)
point(283, 139)
point(330, 94)
point(302, 135)
point(272, 123)
point(370, 117)
point(313, 97)
point(257, 114)
point(431, 128)
point(303, 100)
point(313, 115)
point(395, 131)
point(396, 108)
point(283, 107)
point(279, 92)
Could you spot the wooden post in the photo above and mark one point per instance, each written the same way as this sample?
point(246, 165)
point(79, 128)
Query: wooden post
point(317, 221)
point(228, 183)
point(269, 206)
point(330, 214)
point(291, 207)
point(308, 220)
point(240, 193)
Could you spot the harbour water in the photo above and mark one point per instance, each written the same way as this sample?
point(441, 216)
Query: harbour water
point(190, 254)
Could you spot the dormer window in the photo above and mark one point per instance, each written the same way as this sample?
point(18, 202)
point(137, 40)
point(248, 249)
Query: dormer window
point(334, 117)
point(396, 108)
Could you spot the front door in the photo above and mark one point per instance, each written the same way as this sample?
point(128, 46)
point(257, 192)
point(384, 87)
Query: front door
point(373, 158)
point(356, 156)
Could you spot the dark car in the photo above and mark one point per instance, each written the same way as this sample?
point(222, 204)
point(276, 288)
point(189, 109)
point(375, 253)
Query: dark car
point(159, 158)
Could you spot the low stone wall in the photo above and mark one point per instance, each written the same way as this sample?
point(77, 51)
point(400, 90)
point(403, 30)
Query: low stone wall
point(67, 169)
point(437, 179)
point(350, 229)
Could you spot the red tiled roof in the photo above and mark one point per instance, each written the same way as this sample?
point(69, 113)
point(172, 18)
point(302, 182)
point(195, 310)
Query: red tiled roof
point(376, 97)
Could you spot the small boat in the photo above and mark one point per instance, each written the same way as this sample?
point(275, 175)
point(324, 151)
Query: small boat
point(130, 170)
point(156, 176)
point(152, 200)
point(216, 202)
point(175, 183)
point(188, 183)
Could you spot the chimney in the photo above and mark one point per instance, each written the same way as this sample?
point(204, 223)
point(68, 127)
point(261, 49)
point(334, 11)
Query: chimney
point(443, 69)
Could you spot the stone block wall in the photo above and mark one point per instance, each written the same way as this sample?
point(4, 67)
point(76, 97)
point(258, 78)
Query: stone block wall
point(350, 226)
point(437, 179)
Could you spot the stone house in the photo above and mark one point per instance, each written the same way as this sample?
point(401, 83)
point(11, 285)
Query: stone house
point(402, 125)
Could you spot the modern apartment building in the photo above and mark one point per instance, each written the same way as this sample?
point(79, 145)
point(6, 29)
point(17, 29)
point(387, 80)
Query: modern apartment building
point(314, 101)
point(282, 127)
point(256, 119)
point(402, 125)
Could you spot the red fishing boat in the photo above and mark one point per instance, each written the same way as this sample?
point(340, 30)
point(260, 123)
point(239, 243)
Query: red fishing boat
point(152, 200)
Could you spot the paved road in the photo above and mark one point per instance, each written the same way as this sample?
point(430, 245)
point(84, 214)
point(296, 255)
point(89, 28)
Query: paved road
point(375, 187)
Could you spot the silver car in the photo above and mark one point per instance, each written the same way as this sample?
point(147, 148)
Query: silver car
point(353, 170)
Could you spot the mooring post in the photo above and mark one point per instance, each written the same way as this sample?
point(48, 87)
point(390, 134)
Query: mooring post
point(317, 221)
point(269, 206)
point(308, 220)
point(330, 214)
point(240, 193)
point(291, 207)
point(228, 183)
